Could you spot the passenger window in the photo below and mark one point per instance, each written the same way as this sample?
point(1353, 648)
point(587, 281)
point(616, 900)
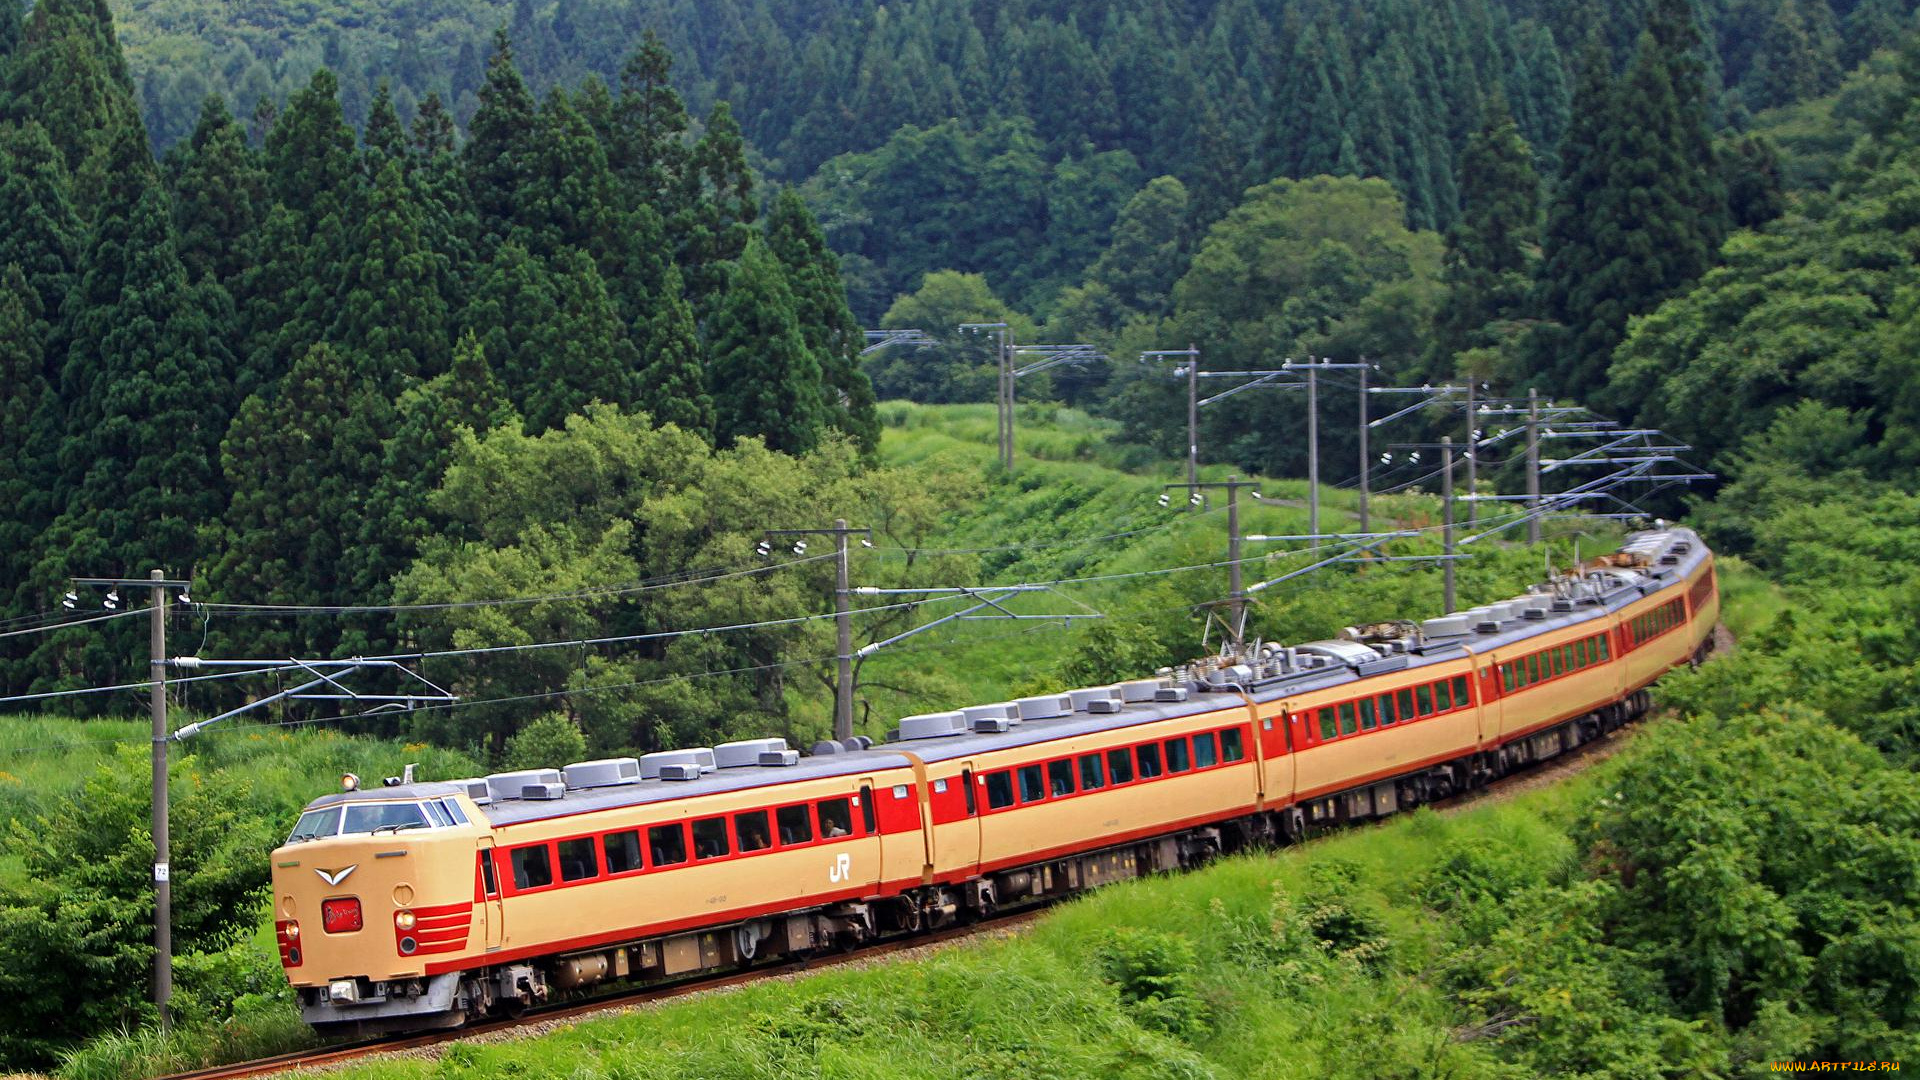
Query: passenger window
point(1405, 701)
point(866, 808)
point(793, 824)
point(1149, 761)
point(531, 867)
point(1327, 728)
point(1093, 775)
point(1386, 710)
point(1368, 720)
point(1204, 752)
point(836, 819)
point(1442, 697)
point(576, 860)
point(1177, 760)
point(1506, 677)
point(1347, 726)
point(666, 845)
point(710, 838)
point(1230, 747)
point(999, 790)
point(1033, 787)
point(751, 828)
point(1119, 766)
point(623, 851)
point(1606, 650)
point(1462, 697)
point(1060, 777)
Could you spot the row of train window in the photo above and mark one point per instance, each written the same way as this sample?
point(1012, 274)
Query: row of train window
point(1701, 592)
point(1651, 624)
point(1067, 776)
point(1522, 672)
point(584, 858)
point(1394, 706)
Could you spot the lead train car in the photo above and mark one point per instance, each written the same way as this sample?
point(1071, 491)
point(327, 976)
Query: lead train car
point(422, 905)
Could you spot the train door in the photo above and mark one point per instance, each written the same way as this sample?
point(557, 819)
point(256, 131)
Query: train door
point(954, 817)
point(489, 911)
point(870, 822)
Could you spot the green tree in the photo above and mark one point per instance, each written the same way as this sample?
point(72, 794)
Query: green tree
point(766, 382)
point(500, 138)
point(552, 335)
point(965, 368)
point(146, 381)
point(672, 384)
point(1152, 241)
point(647, 150)
point(301, 458)
point(1641, 210)
point(219, 197)
point(43, 235)
point(27, 433)
point(549, 742)
point(389, 310)
point(67, 74)
point(385, 137)
point(1491, 245)
point(717, 208)
point(827, 325)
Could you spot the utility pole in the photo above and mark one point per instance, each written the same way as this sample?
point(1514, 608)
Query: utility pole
point(1006, 399)
point(1313, 450)
point(158, 583)
point(1473, 458)
point(1446, 498)
point(1366, 466)
point(162, 843)
point(1533, 466)
point(842, 615)
point(1236, 594)
point(1193, 414)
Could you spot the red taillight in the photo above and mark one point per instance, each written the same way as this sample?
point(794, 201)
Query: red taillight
point(340, 916)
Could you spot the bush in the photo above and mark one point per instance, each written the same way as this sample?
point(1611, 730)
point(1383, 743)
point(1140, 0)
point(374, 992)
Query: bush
point(547, 743)
point(1154, 973)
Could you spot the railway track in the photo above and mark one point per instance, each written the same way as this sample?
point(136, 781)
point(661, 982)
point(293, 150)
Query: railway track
point(1510, 786)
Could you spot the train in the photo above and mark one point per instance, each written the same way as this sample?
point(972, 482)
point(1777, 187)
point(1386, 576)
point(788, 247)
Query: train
point(419, 905)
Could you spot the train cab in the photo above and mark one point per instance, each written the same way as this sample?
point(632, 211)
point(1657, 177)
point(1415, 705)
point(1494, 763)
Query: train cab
point(368, 888)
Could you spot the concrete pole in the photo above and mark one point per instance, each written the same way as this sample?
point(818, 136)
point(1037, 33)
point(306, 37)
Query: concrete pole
point(162, 845)
point(1313, 452)
point(1233, 560)
point(843, 619)
point(1193, 421)
point(1446, 497)
point(1473, 460)
point(1533, 466)
point(1365, 465)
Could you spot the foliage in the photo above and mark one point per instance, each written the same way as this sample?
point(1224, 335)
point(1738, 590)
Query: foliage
point(547, 742)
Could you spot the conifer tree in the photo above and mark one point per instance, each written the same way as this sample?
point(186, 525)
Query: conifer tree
point(219, 197)
point(390, 312)
point(717, 206)
point(386, 137)
point(1489, 245)
point(146, 381)
point(500, 138)
point(433, 130)
point(1641, 209)
point(42, 234)
point(310, 155)
point(68, 74)
point(765, 380)
point(301, 458)
point(648, 151)
point(827, 325)
point(567, 196)
point(10, 27)
point(428, 420)
point(27, 434)
point(672, 386)
point(552, 335)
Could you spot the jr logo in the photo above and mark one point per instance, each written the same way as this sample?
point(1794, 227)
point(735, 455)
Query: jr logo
point(841, 870)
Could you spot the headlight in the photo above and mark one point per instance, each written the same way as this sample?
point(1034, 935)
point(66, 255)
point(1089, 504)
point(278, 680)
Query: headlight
point(404, 920)
point(293, 931)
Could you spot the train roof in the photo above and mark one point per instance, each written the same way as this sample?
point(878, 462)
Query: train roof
point(1650, 561)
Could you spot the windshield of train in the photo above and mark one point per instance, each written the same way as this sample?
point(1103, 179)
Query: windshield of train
point(316, 823)
point(384, 817)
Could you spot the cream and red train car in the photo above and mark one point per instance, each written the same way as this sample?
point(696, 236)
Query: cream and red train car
point(422, 905)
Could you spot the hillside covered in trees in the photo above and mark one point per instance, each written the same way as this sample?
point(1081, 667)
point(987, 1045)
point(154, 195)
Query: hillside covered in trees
point(1003, 136)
